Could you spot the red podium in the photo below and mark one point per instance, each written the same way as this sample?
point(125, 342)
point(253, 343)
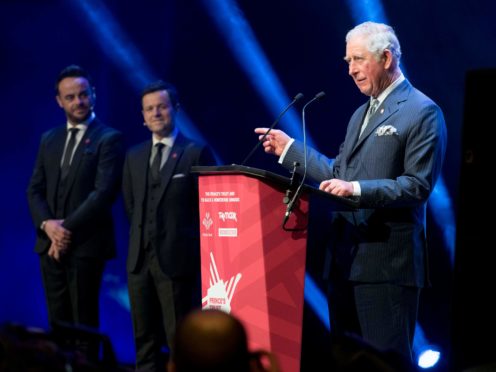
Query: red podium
point(251, 266)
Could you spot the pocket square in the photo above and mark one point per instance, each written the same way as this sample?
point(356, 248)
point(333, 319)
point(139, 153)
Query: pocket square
point(386, 130)
point(178, 175)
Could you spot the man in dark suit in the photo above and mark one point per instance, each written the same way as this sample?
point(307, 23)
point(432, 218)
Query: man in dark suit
point(161, 199)
point(390, 160)
point(74, 183)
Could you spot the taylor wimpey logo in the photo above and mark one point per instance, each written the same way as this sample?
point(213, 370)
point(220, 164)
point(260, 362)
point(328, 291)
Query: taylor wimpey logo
point(207, 221)
point(220, 293)
point(228, 216)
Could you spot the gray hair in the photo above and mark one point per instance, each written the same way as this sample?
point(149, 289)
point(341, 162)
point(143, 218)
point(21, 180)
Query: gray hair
point(378, 37)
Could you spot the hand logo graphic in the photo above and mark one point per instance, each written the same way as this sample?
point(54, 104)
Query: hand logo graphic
point(220, 294)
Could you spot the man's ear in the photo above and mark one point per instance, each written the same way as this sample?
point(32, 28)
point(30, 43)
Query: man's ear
point(388, 59)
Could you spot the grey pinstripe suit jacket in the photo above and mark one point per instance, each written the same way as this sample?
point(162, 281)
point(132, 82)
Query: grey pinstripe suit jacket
point(397, 161)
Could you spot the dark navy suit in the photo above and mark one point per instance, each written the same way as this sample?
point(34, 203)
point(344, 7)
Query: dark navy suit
point(72, 285)
point(163, 267)
point(396, 161)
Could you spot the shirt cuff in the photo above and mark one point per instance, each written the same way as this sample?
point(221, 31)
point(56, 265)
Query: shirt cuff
point(357, 191)
point(284, 152)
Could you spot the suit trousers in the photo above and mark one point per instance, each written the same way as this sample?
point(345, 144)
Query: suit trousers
point(383, 314)
point(72, 288)
point(158, 303)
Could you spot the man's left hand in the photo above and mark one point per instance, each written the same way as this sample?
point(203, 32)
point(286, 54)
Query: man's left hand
point(337, 187)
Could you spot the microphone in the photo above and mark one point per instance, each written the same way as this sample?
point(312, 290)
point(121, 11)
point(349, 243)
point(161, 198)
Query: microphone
point(292, 202)
point(287, 195)
point(295, 99)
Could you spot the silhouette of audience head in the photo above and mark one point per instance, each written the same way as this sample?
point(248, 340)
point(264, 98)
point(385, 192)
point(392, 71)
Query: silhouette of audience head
point(210, 340)
point(28, 349)
point(35, 350)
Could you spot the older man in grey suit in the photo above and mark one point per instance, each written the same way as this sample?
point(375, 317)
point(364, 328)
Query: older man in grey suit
point(390, 160)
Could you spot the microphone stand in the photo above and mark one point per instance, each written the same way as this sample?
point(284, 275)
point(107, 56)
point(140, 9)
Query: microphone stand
point(295, 198)
point(295, 99)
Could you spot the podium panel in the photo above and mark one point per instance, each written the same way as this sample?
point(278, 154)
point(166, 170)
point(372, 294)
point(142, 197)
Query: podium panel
point(251, 267)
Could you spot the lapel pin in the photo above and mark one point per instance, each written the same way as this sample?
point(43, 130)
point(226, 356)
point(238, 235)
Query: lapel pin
point(87, 141)
point(382, 111)
point(174, 155)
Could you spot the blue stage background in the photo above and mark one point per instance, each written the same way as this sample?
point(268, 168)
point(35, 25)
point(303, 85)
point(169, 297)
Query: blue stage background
point(192, 44)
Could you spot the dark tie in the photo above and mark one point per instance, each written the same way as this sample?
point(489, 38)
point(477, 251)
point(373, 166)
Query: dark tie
point(157, 161)
point(66, 163)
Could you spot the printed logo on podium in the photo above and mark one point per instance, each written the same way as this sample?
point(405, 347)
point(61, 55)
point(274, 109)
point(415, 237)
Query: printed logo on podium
point(220, 293)
point(228, 216)
point(207, 221)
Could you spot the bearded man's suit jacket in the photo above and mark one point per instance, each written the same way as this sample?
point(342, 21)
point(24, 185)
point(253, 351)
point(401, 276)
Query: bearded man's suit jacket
point(83, 199)
point(92, 185)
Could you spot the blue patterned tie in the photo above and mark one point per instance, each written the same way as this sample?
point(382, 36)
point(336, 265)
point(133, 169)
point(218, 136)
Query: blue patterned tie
point(372, 108)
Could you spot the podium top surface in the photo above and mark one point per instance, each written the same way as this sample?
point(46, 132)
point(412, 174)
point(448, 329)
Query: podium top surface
point(338, 202)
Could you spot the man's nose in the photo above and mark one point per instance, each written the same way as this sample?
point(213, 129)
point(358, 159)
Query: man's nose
point(351, 69)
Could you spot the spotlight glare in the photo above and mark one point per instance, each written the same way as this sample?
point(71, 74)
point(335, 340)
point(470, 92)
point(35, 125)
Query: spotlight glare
point(428, 358)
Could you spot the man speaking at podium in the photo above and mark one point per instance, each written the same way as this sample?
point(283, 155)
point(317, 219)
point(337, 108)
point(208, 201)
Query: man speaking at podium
point(391, 157)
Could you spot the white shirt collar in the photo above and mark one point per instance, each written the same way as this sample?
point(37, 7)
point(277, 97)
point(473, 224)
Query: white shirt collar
point(84, 125)
point(381, 97)
point(169, 140)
